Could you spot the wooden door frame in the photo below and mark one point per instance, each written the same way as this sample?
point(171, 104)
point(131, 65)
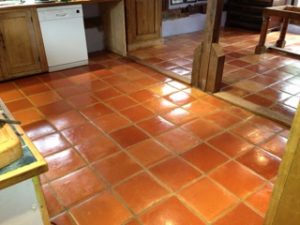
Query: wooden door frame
point(284, 208)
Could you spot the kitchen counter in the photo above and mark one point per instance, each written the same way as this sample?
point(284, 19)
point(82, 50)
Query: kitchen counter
point(33, 4)
point(30, 165)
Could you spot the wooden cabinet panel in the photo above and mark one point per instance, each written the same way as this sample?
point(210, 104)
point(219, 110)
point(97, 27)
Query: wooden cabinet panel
point(143, 21)
point(21, 46)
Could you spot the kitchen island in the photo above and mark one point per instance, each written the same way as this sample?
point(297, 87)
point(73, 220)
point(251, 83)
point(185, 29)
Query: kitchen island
point(21, 197)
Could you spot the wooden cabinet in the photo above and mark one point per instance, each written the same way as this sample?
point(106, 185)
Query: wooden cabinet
point(143, 22)
point(248, 13)
point(21, 45)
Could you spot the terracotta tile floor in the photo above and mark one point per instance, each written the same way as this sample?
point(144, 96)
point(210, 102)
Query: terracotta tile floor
point(269, 80)
point(158, 153)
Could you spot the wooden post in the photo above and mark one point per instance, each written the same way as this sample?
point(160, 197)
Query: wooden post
point(209, 57)
point(285, 204)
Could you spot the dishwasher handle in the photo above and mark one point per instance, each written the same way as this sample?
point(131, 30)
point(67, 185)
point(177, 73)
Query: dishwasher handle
point(61, 14)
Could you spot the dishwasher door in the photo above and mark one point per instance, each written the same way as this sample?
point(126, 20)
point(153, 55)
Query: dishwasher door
point(64, 36)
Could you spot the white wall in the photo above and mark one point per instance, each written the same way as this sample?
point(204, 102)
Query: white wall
point(184, 25)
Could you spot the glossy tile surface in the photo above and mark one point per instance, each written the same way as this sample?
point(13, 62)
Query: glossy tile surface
point(127, 145)
point(268, 80)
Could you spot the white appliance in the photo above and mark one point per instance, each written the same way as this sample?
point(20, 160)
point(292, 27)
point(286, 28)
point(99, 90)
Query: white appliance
point(64, 36)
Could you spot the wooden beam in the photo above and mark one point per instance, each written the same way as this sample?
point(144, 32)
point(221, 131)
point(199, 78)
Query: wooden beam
point(208, 56)
point(285, 204)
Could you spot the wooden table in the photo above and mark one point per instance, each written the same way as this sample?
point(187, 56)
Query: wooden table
point(21, 197)
point(287, 13)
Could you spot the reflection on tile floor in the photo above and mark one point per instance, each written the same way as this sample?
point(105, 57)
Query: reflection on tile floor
point(127, 145)
point(269, 80)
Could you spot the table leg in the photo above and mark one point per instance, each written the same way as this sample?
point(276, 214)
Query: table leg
point(261, 48)
point(281, 41)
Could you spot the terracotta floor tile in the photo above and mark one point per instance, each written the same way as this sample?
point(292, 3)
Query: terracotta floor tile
point(63, 219)
point(273, 94)
point(34, 88)
point(223, 119)
point(97, 148)
point(239, 112)
point(237, 179)
point(28, 116)
point(252, 133)
point(202, 128)
point(200, 108)
point(69, 91)
point(276, 146)
point(156, 125)
point(117, 167)
point(44, 98)
point(163, 89)
point(260, 200)
point(11, 95)
point(175, 173)
point(55, 108)
point(142, 95)
point(208, 199)
point(62, 163)
point(58, 83)
point(159, 105)
point(97, 110)
point(50, 144)
point(81, 133)
point(180, 98)
point(103, 209)
point(129, 136)
point(204, 157)
point(107, 93)
point(77, 186)
point(178, 85)
point(137, 113)
point(111, 122)
point(241, 215)
point(133, 222)
point(261, 162)
point(95, 85)
point(53, 206)
point(19, 105)
point(82, 100)
point(67, 120)
point(264, 123)
point(178, 140)
point(292, 102)
point(170, 211)
point(38, 129)
point(230, 144)
point(259, 100)
point(179, 116)
point(136, 196)
point(148, 152)
point(121, 102)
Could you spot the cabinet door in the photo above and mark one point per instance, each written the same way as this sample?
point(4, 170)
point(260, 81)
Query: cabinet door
point(19, 43)
point(143, 20)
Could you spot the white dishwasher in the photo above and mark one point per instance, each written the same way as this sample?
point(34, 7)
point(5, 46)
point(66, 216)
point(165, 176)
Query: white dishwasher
point(64, 36)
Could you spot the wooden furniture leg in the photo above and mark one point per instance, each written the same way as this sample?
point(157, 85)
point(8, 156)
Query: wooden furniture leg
point(281, 41)
point(261, 47)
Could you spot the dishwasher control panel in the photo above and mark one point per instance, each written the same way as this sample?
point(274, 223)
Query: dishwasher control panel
point(57, 13)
